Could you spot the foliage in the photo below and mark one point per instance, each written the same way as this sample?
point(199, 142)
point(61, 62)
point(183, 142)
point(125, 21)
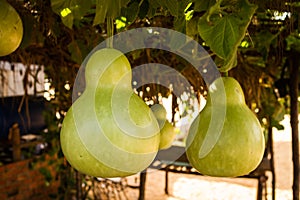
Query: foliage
point(223, 27)
point(250, 40)
point(71, 10)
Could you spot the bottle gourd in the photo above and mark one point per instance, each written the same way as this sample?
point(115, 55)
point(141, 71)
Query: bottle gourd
point(11, 29)
point(167, 131)
point(109, 131)
point(229, 144)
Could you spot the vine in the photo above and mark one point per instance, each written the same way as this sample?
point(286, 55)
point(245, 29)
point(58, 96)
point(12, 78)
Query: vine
point(60, 38)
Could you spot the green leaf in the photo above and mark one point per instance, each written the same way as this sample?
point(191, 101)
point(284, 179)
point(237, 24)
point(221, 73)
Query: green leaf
point(229, 63)
point(223, 31)
point(180, 24)
point(293, 42)
point(264, 40)
point(176, 8)
point(131, 11)
point(276, 124)
point(101, 10)
point(46, 173)
point(68, 20)
point(295, 4)
point(222, 36)
point(58, 5)
point(69, 10)
point(203, 5)
point(191, 27)
point(143, 10)
point(75, 51)
point(172, 6)
point(108, 9)
point(29, 35)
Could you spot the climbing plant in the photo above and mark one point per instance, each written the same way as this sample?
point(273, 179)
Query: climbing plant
point(249, 39)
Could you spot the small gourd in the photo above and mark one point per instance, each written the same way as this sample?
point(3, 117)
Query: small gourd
point(226, 139)
point(167, 130)
point(109, 131)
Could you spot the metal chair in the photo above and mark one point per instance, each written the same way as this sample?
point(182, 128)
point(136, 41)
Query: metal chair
point(175, 160)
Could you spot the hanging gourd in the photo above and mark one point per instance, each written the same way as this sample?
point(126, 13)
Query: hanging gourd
point(167, 130)
point(109, 131)
point(230, 143)
point(11, 29)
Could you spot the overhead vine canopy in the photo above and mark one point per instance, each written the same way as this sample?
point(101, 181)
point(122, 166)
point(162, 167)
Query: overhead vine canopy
point(249, 39)
point(243, 37)
point(252, 40)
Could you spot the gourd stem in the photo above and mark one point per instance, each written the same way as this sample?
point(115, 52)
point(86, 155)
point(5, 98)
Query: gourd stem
point(225, 74)
point(110, 32)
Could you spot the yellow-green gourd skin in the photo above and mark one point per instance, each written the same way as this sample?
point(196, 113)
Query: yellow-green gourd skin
point(11, 29)
point(109, 131)
point(167, 131)
point(240, 146)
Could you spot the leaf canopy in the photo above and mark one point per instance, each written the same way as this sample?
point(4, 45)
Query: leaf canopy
point(223, 30)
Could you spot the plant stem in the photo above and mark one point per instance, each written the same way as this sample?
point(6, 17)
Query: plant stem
point(110, 32)
point(225, 74)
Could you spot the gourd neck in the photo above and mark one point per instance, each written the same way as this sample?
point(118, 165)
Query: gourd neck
point(225, 91)
point(108, 68)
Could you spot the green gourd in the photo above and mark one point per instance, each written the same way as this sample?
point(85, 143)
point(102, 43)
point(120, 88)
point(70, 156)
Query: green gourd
point(226, 139)
point(109, 131)
point(167, 131)
point(11, 29)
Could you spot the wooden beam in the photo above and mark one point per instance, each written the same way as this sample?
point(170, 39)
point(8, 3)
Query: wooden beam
point(294, 70)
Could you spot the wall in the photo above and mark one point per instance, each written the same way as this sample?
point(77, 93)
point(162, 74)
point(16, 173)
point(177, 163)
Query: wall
point(18, 181)
point(12, 75)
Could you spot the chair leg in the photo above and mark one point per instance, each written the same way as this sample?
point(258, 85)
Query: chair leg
point(265, 189)
point(262, 187)
point(272, 164)
point(167, 181)
point(259, 189)
point(142, 187)
point(273, 186)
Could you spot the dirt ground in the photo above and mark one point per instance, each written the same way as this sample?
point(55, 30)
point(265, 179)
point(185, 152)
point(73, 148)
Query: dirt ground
point(193, 187)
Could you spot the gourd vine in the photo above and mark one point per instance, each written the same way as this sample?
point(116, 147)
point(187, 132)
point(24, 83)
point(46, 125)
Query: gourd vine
point(110, 32)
